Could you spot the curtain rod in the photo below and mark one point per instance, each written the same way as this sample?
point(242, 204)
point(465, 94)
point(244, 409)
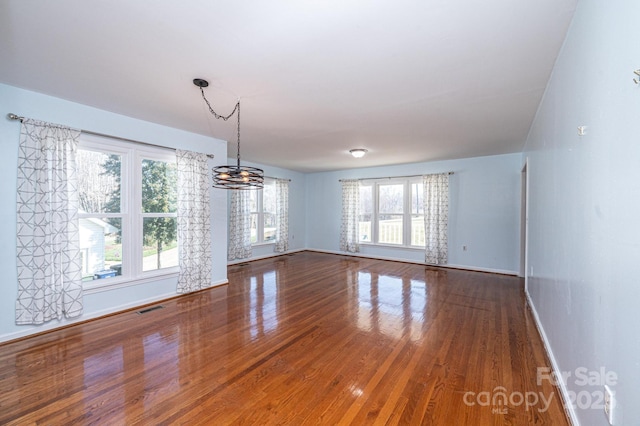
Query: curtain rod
point(275, 178)
point(391, 177)
point(12, 116)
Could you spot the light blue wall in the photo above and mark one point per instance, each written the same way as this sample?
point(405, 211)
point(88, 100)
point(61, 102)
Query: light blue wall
point(584, 204)
point(47, 108)
point(484, 203)
point(297, 218)
point(484, 210)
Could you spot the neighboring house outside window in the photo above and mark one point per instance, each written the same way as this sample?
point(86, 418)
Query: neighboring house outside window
point(93, 233)
point(128, 205)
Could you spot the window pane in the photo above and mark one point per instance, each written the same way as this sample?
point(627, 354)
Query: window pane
point(417, 197)
point(160, 244)
point(254, 227)
point(366, 199)
point(417, 230)
point(269, 226)
point(253, 200)
point(391, 198)
point(100, 247)
point(366, 209)
point(269, 198)
point(159, 187)
point(365, 228)
point(390, 228)
point(269, 212)
point(99, 177)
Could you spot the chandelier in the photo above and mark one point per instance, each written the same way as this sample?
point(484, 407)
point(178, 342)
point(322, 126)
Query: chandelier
point(232, 176)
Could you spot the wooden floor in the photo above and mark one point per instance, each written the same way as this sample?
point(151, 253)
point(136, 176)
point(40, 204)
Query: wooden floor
point(308, 338)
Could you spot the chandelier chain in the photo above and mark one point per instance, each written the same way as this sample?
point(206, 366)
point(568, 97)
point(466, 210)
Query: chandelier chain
point(238, 149)
point(225, 118)
point(215, 114)
point(232, 177)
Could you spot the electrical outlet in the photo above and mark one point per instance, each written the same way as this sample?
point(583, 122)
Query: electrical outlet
point(609, 404)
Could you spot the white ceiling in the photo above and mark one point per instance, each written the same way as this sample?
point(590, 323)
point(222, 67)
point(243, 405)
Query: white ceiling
point(409, 80)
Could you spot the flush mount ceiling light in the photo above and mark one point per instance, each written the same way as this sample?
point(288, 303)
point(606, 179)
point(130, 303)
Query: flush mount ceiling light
point(358, 152)
point(232, 176)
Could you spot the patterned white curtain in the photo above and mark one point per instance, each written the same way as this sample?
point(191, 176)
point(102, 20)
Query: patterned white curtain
point(194, 226)
point(48, 249)
point(349, 239)
point(282, 215)
point(239, 225)
point(436, 217)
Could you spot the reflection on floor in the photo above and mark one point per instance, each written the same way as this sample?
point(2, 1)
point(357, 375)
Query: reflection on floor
point(304, 338)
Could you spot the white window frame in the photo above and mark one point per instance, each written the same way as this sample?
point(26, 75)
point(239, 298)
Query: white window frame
point(131, 214)
point(260, 212)
point(407, 214)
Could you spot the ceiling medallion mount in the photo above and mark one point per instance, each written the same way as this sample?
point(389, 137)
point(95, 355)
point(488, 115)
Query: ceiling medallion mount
point(232, 176)
point(358, 152)
point(200, 82)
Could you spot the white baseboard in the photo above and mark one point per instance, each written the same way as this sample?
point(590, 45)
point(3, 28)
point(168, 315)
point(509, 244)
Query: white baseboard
point(53, 325)
point(481, 269)
point(264, 256)
point(564, 392)
point(416, 262)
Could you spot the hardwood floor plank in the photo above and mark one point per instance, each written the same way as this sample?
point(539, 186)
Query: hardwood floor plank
point(308, 338)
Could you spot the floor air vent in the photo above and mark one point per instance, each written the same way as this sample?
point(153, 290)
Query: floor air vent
point(153, 308)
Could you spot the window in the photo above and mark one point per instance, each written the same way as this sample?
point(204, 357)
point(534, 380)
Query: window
point(417, 214)
point(263, 213)
point(392, 213)
point(159, 218)
point(366, 212)
point(128, 210)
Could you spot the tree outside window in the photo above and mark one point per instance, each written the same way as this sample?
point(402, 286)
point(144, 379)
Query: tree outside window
point(116, 239)
point(159, 207)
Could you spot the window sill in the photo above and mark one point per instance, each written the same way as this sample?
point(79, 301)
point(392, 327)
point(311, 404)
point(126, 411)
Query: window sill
point(268, 243)
point(91, 287)
point(392, 246)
